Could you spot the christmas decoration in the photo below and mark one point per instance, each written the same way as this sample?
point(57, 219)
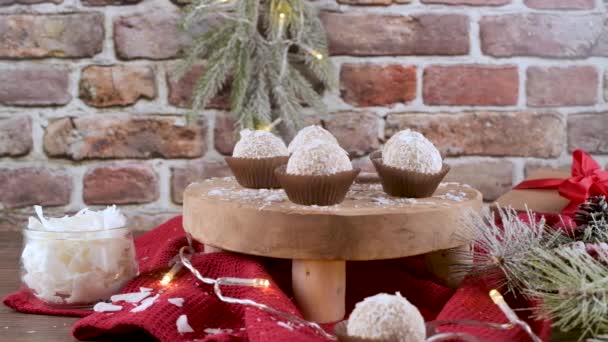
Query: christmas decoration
point(592, 219)
point(266, 49)
point(568, 278)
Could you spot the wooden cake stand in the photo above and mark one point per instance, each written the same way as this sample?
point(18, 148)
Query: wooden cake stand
point(368, 225)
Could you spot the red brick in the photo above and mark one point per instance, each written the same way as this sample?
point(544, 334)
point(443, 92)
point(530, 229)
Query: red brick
point(357, 132)
point(544, 35)
point(471, 85)
point(557, 86)
point(15, 136)
point(26, 186)
point(588, 132)
point(468, 2)
point(180, 89)
point(367, 34)
point(561, 4)
point(117, 85)
point(225, 133)
point(70, 35)
point(39, 85)
point(120, 183)
point(194, 171)
point(492, 177)
point(154, 34)
point(377, 85)
point(525, 134)
point(120, 136)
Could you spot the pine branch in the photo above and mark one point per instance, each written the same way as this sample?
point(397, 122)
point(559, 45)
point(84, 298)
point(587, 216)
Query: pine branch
point(571, 287)
point(501, 249)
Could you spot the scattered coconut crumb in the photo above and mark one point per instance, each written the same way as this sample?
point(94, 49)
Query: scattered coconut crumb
point(179, 302)
point(30, 331)
point(217, 331)
point(133, 297)
point(106, 307)
point(182, 325)
point(456, 196)
point(145, 304)
point(286, 325)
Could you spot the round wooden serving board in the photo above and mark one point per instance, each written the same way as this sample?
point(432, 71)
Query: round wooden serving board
point(368, 225)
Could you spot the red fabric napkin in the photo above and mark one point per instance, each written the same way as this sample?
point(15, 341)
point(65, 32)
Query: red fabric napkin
point(214, 320)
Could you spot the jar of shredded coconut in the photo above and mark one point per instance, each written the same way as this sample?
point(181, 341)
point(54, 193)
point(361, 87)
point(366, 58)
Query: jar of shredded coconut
point(76, 261)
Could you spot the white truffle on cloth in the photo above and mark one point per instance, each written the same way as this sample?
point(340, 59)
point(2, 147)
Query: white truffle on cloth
point(258, 145)
point(409, 150)
point(390, 318)
point(309, 134)
point(319, 158)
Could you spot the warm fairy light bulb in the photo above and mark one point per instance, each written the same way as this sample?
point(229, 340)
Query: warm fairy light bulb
point(166, 279)
point(282, 16)
point(261, 282)
point(497, 298)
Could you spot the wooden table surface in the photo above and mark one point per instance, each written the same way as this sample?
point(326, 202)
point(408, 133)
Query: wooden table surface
point(17, 327)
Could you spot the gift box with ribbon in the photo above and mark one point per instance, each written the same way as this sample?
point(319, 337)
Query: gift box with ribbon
point(550, 191)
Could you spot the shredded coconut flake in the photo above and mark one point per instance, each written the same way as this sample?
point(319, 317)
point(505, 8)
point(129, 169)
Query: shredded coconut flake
point(217, 331)
point(179, 302)
point(286, 325)
point(106, 307)
point(145, 304)
point(182, 325)
point(133, 297)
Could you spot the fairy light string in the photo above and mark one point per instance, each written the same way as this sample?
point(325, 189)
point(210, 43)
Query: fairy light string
point(187, 252)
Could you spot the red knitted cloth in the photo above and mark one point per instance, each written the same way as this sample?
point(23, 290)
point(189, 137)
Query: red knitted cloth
point(206, 313)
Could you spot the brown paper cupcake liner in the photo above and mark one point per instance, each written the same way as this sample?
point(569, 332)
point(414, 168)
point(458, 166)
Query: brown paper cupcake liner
point(404, 183)
point(316, 190)
point(341, 333)
point(256, 173)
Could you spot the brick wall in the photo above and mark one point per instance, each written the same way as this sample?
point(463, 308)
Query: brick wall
point(91, 112)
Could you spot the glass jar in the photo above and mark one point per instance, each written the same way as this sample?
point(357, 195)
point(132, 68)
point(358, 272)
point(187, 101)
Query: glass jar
point(77, 269)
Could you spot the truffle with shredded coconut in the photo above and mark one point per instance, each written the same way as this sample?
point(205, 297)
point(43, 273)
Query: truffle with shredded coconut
point(308, 134)
point(390, 318)
point(318, 158)
point(409, 150)
point(259, 145)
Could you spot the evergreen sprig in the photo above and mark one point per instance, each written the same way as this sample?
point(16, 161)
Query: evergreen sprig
point(263, 48)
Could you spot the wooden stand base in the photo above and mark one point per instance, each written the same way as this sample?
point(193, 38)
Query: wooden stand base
point(319, 288)
point(450, 265)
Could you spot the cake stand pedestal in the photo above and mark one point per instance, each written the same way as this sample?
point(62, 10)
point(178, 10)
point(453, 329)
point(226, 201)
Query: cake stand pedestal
point(368, 225)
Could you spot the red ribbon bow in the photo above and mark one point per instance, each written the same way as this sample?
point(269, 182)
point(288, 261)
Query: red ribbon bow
point(587, 180)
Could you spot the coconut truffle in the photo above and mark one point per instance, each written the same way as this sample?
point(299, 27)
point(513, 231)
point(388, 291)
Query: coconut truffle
point(390, 318)
point(409, 150)
point(307, 134)
point(258, 145)
point(318, 158)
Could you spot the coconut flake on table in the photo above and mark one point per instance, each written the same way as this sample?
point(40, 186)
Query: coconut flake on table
point(91, 265)
point(308, 134)
point(106, 307)
point(132, 297)
point(217, 331)
point(259, 145)
point(145, 304)
point(179, 302)
point(182, 325)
